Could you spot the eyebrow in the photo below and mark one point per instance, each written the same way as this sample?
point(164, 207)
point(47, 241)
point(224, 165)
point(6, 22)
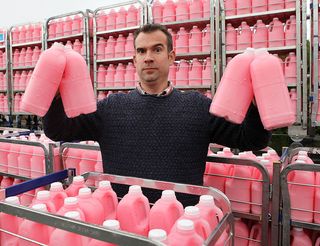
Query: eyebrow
point(159, 44)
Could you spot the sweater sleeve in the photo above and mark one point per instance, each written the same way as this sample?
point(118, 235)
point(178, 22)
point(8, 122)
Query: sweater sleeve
point(58, 127)
point(249, 135)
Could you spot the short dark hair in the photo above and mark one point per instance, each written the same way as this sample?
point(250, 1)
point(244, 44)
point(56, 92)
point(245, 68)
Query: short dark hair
point(148, 28)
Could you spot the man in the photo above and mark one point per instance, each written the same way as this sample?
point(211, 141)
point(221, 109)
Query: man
point(155, 131)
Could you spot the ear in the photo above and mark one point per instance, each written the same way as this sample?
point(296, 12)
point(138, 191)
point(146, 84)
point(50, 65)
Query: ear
point(172, 57)
point(134, 60)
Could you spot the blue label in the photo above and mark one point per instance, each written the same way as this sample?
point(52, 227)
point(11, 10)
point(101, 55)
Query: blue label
point(1, 37)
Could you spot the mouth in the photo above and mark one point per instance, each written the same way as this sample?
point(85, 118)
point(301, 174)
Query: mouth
point(149, 69)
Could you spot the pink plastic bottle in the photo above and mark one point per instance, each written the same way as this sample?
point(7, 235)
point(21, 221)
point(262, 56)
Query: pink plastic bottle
point(37, 162)
point(37, 98)
point(165, 211)
point(119, 48)
point(230, 7)
point(184, 234)
point(91, 207)
point(234, 81)
point(129, 75)
point(59, 27)
point(6, 182)
point(75, 186)
point(67, 26)
point(101, 21)
point(110, 224)
point(259, 6)
point(121, 18)
point(76, 87)
point(109, 51)
point(57, 194)
point(195, 39)
point(158, 235)
point(290, 69)
point(52, 29)
point(255, 234)
point(290, 4)
point(76, 24)
point(196, 9)
point(280, 61)
point(244, 36)
point(28, 60)
point(87, 162)
point(206, 39)
point(111, 71)
point(24, 160)
point(231, 37)
point(9, 223)
point(209, 211)
point(157, 11)
point(275, 4)
point(182, 75)
point(202, 227)
point(72, 159)
point(133, 211)
point(36, 35)
point(15, 35)
point(35, 55)
point(43, 196)
point(276, 33)
point(101, 75)
point(34, 230)
point(108, 199)
point(241, 232)
point(111, 20)
point(71, 204)
point(129, 48)
point(77, 46)
point(22, 34)
point(68, 238)
point(23, 80)
point(206, 72)
point(182, 41)
point(119, 80)
point(260, 35)
point(182, 12)
point(4, 150)
point(22, 57)
point(272, 98)
point(243, 7)
point(13, 155)
point(195, 72)
point(301, 197)
point(239, 189)
point(169, 11)
point(299, 237)
point(294, 98)
point(290, 31)
point(132, 16)
point(16, 55)
point(316, 199)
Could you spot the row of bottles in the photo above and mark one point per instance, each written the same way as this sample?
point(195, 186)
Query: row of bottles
point(21, 79)
point(3, 59)
point(240, 7)
point(26, 33)
point(289, 67)
point(17, 102)
point(133, 211)
point(180, 10)
point(70, 25)
point(118, 18)
point(112, 47)
point(4, 103)
point(120, 75)
point(25, 57)
point(26, 160)
point(3, 81)
point(260, 35)
point(77, 46)
point(191, 73)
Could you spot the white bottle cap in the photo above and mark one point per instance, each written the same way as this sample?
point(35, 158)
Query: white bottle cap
point(300, 162)
point(78, 179)
point(220, 153)
point(12, 200)
point(260, 158)
point(40, 207)
point(250, 50)
point(207, 199)
point(157, 235)
point(192, 211)
point(56, 186)
point(264, 162)
point(84, 191)
point(104, 184)
point(303, 152)
point(226, 149)
point(302, 157)
point(73, 215)
point(272, 152)
point(185, 225)
point(168, 194)
point(58, 45)
point(297, 229)
point(112, 224)
point(261, 51)
point(43, 195)
point(243, 155)
point(71, 200)
point(135, 189)
point(236, 218)
point(266, 155)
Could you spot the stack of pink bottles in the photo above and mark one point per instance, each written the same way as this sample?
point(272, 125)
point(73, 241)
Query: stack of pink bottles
point(26, 33)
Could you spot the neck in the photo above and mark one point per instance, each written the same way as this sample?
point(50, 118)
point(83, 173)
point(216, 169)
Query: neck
point(154, 88)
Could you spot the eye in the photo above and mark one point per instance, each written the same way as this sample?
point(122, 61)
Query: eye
point(158, 49)
point(140, 51)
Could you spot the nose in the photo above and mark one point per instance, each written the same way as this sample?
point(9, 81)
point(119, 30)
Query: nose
point(148, 57)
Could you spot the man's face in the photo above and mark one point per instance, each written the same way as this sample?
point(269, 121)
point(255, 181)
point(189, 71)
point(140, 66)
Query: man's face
point(152, 59)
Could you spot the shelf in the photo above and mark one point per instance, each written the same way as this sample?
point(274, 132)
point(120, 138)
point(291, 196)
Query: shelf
point(73, 36)
point(4, 113)
point(3, 68)
point(292, 85)
point(187, 23)
point(33, 43)
point(2, 46)
point(23, 68)
point(282, 49)
point(19, 90)
point(14, 176)
point(3, 91)
point(282, 14)
point(193, 55)
point(21, 113)
point(116, 60)
point(117, 31)
point(311, 226)
point(247, 216)
point(116, 88)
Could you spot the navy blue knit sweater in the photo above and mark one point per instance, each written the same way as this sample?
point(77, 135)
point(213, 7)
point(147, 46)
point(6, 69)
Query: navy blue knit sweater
point(161, 138)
